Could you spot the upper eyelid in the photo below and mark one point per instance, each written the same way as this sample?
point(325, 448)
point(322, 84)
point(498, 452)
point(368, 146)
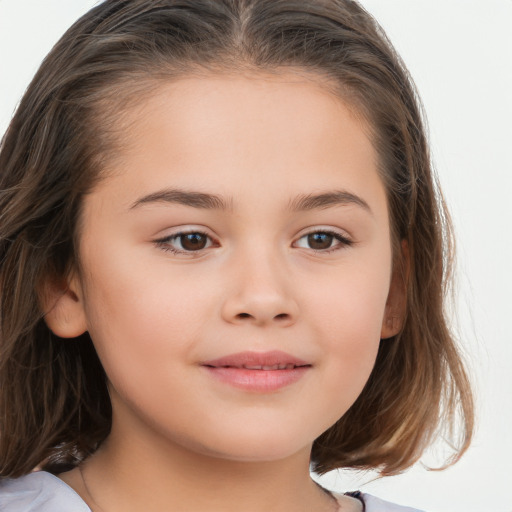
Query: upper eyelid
point(333, 231)
point(186, 231)
point(204, 231)
point(177, 234)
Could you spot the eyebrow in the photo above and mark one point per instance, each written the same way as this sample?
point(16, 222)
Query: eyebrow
point(207, 201)
point(327, 200)
point(186, 198)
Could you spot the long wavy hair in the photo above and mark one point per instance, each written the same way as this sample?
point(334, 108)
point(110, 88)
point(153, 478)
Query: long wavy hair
point(54, 405)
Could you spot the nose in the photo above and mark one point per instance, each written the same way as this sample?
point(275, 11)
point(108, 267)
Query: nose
point(259, 292)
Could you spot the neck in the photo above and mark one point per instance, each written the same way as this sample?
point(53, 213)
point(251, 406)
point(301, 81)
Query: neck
point(151, 474)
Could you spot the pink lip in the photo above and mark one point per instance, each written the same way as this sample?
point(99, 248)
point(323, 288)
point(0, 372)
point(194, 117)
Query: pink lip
point(258, 371)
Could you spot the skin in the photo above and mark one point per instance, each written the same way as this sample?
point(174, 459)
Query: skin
point(156, 315)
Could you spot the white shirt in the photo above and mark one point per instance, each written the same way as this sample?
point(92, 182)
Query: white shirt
point(44, 492)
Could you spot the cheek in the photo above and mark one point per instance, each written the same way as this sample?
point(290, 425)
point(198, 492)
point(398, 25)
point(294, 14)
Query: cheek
point(350, 303)
point(144, 317)
point(146, 330)
point(348, 319)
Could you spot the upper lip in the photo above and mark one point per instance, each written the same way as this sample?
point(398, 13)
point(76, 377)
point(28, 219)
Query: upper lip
point(274, 360)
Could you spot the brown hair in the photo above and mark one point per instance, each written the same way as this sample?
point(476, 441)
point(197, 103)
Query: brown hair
point(54, 404)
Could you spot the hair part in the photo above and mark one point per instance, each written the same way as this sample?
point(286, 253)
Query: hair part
point(54, 404)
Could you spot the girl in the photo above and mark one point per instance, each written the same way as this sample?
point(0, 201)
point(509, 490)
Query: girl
point(223, 262)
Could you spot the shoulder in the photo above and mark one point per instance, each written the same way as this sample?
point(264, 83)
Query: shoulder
point(39, 492)
point(373, 504)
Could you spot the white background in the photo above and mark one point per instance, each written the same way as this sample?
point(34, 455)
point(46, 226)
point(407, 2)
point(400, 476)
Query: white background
point(460, 54)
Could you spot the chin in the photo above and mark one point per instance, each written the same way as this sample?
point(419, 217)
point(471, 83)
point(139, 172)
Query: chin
point(257, 447)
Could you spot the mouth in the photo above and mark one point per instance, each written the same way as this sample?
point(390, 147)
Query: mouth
point(288, 366)
point(261, 372)
point(268, 361)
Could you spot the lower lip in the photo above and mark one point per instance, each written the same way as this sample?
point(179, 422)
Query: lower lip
point(260, 381)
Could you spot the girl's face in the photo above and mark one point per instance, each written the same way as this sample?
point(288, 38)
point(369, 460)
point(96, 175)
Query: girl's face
point(243, 224)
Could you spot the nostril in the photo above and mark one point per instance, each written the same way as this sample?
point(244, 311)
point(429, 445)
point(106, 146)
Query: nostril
point(280, 318)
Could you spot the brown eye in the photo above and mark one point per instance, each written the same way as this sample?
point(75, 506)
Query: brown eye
point(193, 241)
point(186, 243)
point(323, 241)
point(320, 241)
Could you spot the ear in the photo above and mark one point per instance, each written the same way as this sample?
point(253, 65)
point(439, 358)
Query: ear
point(62, 303)
point(396, 304)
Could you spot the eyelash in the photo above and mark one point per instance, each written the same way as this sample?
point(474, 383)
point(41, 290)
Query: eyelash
point(164, 243)
point(343, 241)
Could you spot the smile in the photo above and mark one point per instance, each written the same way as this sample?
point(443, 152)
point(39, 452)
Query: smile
point(260, 372)
point(289, 366)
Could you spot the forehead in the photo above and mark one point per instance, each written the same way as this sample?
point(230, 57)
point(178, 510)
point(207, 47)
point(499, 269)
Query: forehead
point(219, 132)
